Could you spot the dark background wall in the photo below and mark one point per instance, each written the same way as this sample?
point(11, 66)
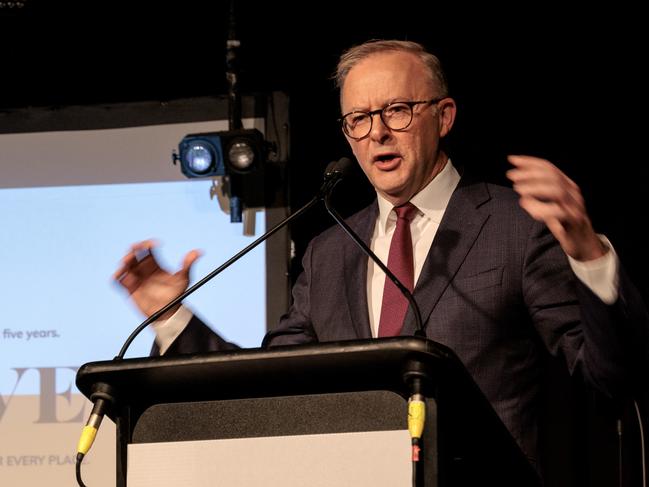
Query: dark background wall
point(564, 82)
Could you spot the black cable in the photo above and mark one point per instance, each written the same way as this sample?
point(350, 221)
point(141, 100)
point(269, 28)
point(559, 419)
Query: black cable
point(416, 450)
point(78, 469)
point(619, 452)
point(643, 458)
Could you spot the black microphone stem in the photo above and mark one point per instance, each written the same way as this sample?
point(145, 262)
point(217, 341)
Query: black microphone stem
point(332, 176)
point(214, 273)
point(102, 397)
point(406, 292)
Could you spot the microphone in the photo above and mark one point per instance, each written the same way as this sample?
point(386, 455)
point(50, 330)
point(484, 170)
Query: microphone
point(102, 399)
point(416, 401)
point(340, 169)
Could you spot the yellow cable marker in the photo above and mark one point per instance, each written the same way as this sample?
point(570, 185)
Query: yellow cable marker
point(87, 439)
point(416, 417)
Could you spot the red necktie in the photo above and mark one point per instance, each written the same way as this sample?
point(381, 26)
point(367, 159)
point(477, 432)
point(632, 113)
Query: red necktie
point(400, 262)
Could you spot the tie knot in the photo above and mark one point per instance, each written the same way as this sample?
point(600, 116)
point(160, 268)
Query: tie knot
point(407, 211)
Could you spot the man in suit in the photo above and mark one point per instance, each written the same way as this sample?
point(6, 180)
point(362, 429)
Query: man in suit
point(500, 276)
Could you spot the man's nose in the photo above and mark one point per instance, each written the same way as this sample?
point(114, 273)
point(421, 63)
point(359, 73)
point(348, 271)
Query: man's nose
point(379, 130)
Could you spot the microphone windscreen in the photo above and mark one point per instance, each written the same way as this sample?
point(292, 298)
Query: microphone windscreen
point(342, 166)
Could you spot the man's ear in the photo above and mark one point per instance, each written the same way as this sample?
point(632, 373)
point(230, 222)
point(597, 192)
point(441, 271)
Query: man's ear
point(446, 111)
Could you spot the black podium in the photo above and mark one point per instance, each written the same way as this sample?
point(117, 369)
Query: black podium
point(351, 386)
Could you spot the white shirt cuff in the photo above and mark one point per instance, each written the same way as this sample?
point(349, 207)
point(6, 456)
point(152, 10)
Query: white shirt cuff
point(600, 275)
point(166, 331)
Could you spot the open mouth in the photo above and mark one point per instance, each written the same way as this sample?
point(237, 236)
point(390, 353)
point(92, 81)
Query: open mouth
point(387, 161)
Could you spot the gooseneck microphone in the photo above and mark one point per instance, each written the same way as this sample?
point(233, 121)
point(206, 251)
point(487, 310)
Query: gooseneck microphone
point(342, 168)
point(334, 173)
point(102, 398)
point(416, 401)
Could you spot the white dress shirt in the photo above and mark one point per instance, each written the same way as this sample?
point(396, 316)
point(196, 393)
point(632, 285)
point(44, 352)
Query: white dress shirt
point(431, 203)
point(599, 275)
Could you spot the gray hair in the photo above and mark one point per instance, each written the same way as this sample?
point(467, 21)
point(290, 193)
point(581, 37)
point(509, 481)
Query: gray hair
point(355, 54)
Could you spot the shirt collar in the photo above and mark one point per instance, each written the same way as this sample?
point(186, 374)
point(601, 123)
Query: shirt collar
point(431, 200)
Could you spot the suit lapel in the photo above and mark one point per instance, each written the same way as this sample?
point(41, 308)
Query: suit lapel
point(355, 262)
point(460, 226)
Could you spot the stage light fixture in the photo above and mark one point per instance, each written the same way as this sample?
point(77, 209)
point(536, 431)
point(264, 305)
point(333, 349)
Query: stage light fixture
point(200, 155)
point(245, 150)
point(237, 155)
point(220, 153)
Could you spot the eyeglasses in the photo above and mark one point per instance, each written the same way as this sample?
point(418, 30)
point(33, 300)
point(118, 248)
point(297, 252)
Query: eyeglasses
point(395, 116)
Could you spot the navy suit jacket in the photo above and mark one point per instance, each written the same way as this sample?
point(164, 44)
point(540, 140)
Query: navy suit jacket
point(496, 288)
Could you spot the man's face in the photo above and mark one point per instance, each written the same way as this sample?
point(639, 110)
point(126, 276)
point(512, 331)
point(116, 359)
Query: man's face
point(397, 163)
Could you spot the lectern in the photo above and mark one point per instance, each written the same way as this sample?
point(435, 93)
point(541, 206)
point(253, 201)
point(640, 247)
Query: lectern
point(336, 387)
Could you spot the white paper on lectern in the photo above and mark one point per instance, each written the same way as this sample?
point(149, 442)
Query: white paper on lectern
point(376, 459)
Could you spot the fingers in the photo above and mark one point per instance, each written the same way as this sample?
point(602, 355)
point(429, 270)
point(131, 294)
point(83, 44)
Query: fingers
point(548, 195)
point(138, 261)
point(567, 215)
point(128, 281)
point(143, 248)
point(545, 191)
point(188, 261)
point(532, 170)
point(139, 265)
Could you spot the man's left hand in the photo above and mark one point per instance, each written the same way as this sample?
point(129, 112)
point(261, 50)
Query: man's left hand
point(550, 196)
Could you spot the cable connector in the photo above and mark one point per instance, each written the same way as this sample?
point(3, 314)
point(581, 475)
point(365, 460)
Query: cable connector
point(102, 399)
point(89, 432)
point(416, 415)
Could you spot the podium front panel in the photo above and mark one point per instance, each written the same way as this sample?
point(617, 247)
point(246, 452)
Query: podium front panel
point(357, 438)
